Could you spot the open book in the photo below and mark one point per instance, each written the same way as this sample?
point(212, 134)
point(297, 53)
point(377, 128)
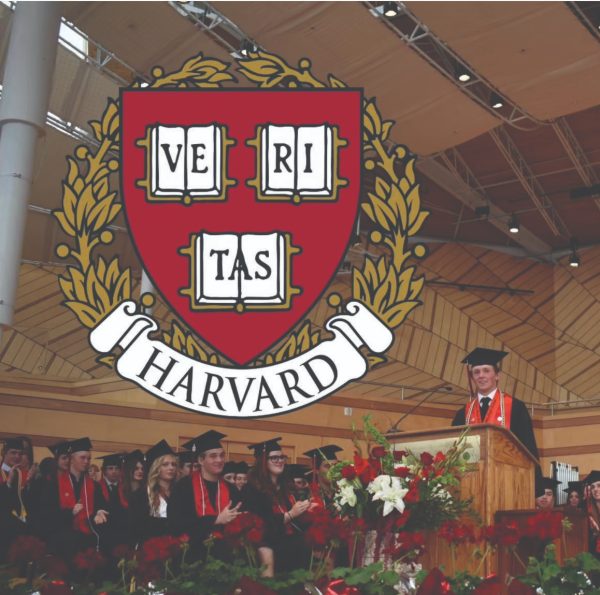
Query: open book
point(240, 271)
point(297, 162)
point(186, 162)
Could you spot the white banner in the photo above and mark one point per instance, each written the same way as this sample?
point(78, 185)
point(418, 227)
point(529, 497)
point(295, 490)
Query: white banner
point(241, 392)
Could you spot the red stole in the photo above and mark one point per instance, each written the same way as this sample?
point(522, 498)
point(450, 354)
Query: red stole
point(494, 413)
point(106, 493)
point(66, 496)
point(279, 508)
point(203, 504)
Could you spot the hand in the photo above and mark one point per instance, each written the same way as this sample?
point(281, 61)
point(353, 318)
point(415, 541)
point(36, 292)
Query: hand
point(228, 514)
point(101, 517)
point(77, 508)
point(299, 508)
point(314, 505)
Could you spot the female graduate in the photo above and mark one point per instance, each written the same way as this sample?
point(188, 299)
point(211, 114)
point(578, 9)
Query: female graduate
point(268, 494)
point(148, 507)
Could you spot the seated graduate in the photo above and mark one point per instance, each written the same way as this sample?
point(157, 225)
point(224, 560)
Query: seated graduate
point(13, 515)
point(592, 506)
point(322, 460)
point(241, 475)
point(300, 476)
point(60, 452)
point(269, 495)
point(488, 404)
point(544, 493)
point(186, 463)
point(228, 473)
point(574, 491)
point(134, 473)
point(148, 506)
point(114, 531)
point(70, 507)
point(203, 502)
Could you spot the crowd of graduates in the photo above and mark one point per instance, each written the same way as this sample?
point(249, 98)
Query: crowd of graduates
point(139, 496)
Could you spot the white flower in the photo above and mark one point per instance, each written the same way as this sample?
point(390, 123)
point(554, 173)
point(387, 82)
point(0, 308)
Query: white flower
point(390, 491)
point(345, 493)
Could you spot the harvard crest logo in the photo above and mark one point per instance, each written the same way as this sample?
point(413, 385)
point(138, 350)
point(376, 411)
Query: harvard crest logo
point(241, 204)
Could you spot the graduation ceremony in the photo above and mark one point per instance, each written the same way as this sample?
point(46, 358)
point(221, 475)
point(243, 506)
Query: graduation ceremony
point(299, 297)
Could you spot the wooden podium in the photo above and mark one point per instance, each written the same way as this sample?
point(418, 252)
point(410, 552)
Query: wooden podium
point(502, 478)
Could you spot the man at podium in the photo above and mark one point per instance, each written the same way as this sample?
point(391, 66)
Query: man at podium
point(488, 404)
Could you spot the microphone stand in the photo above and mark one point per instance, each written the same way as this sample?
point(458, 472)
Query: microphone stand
point(394, 427)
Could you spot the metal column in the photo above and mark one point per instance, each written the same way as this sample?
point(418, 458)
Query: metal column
point(26, 90)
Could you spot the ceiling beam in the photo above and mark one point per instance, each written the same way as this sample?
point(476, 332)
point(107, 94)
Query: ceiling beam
point(464, 187)
point(528, 180)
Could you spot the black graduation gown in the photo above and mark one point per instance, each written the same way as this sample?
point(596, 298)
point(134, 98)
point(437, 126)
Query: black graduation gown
point(141, 524)
point(520, 425)
point(10, 525)
point(115, 531)
point(183, 518)
point(287, 541)
point(55, 525)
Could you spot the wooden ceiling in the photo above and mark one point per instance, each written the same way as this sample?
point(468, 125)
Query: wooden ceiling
point(550, 328)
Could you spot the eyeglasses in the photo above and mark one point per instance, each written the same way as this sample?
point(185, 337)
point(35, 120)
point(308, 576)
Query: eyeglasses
point(278, 458)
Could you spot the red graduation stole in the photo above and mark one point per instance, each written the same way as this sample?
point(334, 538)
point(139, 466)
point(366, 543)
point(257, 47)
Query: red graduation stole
point(106, 494)
point(279, 508)
point(498, 413)
point(66, 496)
point(203, 504)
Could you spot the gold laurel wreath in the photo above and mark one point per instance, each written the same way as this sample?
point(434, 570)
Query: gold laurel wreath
point(94, 287)
point(387, 286)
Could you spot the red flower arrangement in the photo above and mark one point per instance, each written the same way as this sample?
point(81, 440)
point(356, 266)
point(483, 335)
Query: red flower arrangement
point(161, 549)
point(246, 529)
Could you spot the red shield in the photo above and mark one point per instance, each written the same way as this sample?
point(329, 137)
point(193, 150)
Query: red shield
point(173, 141)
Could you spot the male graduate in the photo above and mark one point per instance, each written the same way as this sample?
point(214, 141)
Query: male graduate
point(544, 493)
point(69, 507)
point(114, 531)
point(322, 460)
point(203, 502)
point(489, 405)
point(13, 515)
point(186, 460)
point(241, 475)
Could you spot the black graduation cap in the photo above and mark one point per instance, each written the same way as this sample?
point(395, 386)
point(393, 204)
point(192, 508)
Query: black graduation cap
point(13, 443)
point(296, 471)
point(592, 477)
point(113, 460)
point(204, 442)
point(545, 483)
point(60, 448)
point(323, 453)
point(158, 450)
point(229, 467)
point(242, 467)
point(574, 486)
point(481, 356)
point(187, 456)
point(78, 445)
point(264, 448)
point(135, 455)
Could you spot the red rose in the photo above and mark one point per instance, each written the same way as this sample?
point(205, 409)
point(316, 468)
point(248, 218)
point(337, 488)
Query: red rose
point(399, 455)
point(89, 559)
point(401, 471)
point(439, 457)
point(426, 459)
point(378, 452)
point(161, 548)
point(26, 549)
point(254, 536)
point(348, 472)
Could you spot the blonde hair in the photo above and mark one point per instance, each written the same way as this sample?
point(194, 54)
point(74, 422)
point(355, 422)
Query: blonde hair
point(153, 485)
